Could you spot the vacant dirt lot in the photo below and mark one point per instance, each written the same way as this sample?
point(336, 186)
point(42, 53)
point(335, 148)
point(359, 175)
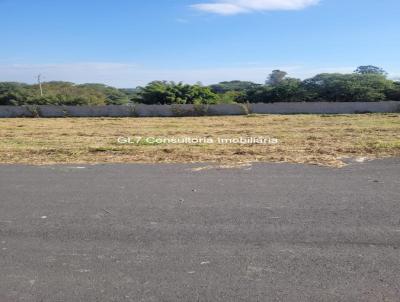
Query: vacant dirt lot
point(315, 139)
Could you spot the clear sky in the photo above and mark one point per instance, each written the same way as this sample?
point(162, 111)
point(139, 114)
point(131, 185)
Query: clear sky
point(131, 42)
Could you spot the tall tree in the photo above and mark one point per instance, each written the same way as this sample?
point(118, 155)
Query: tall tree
point(370, 69)
point(276, 77)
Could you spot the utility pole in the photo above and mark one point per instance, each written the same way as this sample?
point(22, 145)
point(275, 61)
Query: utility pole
point(40, 84)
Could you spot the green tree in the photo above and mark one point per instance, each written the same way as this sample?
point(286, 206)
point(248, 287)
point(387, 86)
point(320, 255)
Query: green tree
point(347, 87)
point(276, 77)
point(230, 97)
point(162, 92)
point(287, 90)
point(259, 95)
point(393, 93)
point(370, 69)
point(240, 86)
point(108, 94)
point(13, 94)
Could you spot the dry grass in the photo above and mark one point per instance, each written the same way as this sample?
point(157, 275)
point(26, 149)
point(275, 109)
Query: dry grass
point(315, 139)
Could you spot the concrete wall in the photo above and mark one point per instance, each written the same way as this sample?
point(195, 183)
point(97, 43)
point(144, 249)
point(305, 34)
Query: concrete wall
point(326, 108)
point(194, 110)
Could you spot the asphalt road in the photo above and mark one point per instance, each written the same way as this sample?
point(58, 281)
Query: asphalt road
point(270, 232)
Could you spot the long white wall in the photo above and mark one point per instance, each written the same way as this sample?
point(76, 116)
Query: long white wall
point(193, 110)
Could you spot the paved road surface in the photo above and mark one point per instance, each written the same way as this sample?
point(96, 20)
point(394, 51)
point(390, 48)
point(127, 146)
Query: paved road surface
point(272, 232)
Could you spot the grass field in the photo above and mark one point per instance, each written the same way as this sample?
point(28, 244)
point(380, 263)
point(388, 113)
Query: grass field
point(314, 139)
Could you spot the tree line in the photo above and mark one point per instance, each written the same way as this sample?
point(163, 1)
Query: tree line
point(367, 83)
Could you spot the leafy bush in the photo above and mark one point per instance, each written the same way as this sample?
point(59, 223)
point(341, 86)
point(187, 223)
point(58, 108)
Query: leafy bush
point(162, 92)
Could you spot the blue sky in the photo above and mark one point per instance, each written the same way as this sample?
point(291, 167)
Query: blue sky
point(131, 42)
